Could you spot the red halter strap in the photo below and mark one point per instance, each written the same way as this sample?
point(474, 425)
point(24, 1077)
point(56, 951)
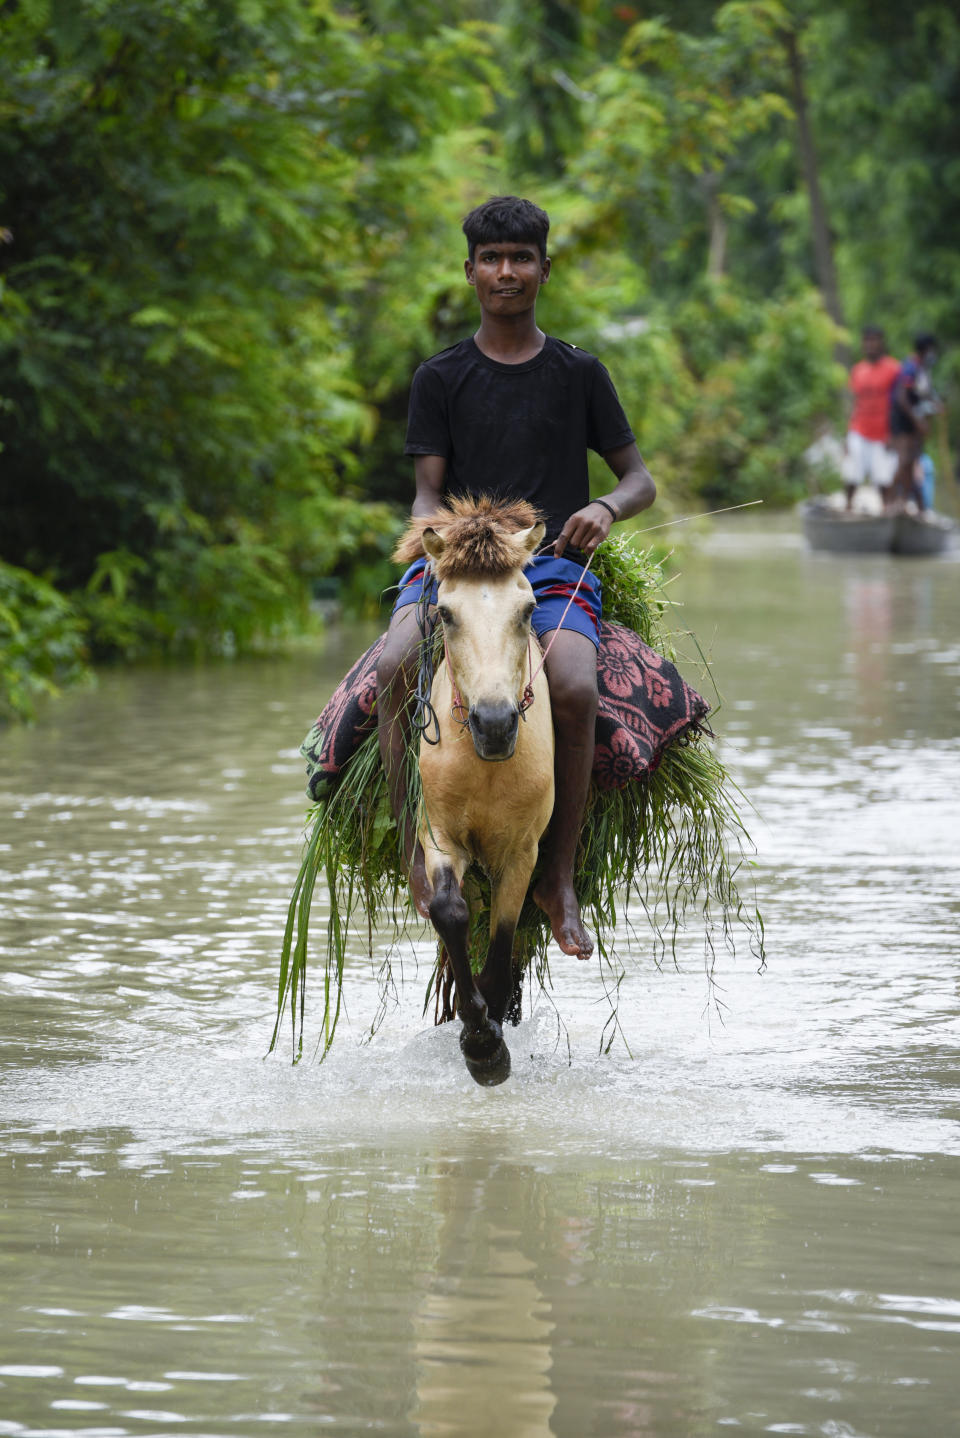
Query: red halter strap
point(458, 709)
point(528, 696)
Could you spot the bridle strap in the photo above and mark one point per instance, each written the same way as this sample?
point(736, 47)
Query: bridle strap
point(458, 709)
point(424, 717)
point(528, 696)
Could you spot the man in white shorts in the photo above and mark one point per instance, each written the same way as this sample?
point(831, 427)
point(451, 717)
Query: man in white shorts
point(868, 456)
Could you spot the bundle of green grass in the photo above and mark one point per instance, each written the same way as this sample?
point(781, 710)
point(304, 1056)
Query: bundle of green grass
point(674, 841)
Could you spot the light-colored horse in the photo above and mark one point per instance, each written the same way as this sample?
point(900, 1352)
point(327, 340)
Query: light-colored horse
point(488, 782)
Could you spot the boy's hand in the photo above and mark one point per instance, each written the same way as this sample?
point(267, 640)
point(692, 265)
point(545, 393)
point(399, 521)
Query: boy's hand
point(585, 529)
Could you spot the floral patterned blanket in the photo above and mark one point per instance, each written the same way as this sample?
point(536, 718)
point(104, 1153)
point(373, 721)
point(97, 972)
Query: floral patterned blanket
point(644, 706)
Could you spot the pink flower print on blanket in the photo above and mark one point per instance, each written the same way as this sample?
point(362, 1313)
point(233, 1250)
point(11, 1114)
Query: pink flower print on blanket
point(328, 726)
point(622, 672)
point(658, 687)
point(616, 763)
point(368, 696)
point(348, 716)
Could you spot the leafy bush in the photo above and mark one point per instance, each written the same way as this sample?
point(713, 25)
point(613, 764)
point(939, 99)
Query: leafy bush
point(41, 643)
point(198, 204)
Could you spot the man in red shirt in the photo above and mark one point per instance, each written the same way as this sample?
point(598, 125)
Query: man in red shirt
point(868, 453)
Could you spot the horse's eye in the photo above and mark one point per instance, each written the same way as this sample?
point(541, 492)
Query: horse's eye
point(526, 614)
point(445, 614)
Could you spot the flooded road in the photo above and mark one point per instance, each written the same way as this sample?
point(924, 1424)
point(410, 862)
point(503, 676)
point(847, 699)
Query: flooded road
point(746, 1222)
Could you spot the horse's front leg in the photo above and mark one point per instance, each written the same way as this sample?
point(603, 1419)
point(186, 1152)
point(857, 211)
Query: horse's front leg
point(481, 1038)
point(497, 981)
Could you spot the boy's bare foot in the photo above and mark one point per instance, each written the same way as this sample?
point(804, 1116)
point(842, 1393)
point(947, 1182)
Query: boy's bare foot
point(421, 889)
point(559, 903)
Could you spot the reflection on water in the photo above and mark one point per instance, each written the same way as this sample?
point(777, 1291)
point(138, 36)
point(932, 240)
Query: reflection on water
point(482, 1328)
point(415, 1291)
point(745, 1224)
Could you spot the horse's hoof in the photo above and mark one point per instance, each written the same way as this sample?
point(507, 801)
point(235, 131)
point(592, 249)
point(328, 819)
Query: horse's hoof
point(491, 1071)
point(486, 1055)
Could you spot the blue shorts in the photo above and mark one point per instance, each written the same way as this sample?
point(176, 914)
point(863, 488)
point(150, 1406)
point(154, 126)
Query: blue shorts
point(552, 580)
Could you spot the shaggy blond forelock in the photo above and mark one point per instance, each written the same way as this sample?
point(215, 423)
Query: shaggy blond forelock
point(479, 536)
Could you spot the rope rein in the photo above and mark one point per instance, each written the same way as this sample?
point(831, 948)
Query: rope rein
point(424, 717)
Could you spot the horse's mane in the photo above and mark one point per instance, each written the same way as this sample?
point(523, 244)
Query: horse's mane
point(478, 535)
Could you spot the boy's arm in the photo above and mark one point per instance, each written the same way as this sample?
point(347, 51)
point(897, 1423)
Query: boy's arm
point(901, 398)
point(635, 491)
point(428, 472)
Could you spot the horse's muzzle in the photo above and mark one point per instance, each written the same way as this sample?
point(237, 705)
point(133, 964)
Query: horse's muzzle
point(493, 728)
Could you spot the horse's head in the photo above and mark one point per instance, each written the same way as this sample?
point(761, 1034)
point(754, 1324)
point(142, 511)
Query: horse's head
point(485, 604)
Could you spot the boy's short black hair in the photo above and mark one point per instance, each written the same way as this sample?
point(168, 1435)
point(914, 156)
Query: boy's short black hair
point(875, 332)
point(506, 217)
point(924, 342)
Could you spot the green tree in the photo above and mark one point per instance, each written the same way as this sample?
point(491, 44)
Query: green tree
point(196, 202)
point(885, 95)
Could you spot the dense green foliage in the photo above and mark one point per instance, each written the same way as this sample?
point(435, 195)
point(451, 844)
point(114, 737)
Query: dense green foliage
point(229, 229)
point(41, 643)
point(192, 221)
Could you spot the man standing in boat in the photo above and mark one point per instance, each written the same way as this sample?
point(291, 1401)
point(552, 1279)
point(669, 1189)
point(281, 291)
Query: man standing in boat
point(912, 402)
point(868, 455)
point(511, 412)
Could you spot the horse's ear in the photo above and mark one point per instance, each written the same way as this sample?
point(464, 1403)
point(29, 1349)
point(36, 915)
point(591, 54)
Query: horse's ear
point(531, 537)
point(433, 544)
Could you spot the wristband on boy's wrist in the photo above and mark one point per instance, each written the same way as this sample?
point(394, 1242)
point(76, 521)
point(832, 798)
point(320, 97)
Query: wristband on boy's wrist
point(609, 507)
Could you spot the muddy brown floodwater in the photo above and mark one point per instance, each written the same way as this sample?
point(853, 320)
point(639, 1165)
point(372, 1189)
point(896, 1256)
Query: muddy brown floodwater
point(748, 1225)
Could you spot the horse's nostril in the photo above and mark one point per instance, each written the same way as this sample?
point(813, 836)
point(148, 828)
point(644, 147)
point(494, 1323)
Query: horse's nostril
point(495, 724)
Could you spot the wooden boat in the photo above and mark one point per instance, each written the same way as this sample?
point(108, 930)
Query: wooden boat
point(841, 531)
point(930, 533)
point(845, 531)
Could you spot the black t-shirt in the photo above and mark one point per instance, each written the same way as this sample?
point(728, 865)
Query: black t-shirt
point(517, 431)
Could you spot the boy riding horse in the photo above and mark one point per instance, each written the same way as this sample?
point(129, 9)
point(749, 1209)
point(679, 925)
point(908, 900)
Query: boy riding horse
point(511, 412)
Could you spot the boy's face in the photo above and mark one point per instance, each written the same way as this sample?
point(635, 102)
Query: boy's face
point(507, 276)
